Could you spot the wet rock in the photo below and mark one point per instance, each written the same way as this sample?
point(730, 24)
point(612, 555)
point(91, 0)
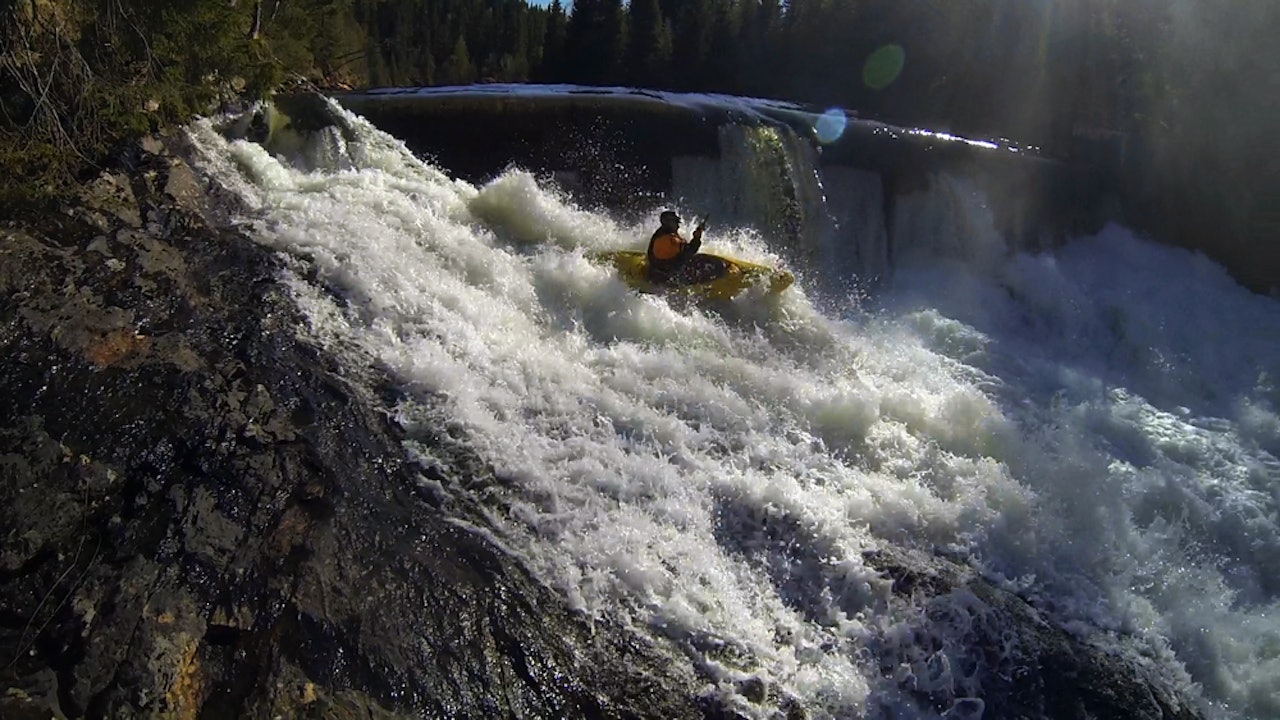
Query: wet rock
point(35, 699)
point(1024, 665)
point(203, 515)
point(965, 709)
point(949, 642)
point(753, 689)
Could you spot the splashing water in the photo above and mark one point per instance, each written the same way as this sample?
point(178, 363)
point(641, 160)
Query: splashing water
point(1097, 427)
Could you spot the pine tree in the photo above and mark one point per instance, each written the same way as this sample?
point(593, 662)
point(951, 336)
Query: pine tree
point(649, 49)
point(595, 41)
point(534, 30)
point(615, 40)
point(757, 34)
point(724, 51)
point(553, 47)
point(460, 70)
point(691, 45)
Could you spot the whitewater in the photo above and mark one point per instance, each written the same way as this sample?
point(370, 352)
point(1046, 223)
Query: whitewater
point(1096, 428)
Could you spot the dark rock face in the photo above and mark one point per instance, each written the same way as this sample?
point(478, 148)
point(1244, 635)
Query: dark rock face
point(203, 517)
point(1024, 665)
point(1029, 668)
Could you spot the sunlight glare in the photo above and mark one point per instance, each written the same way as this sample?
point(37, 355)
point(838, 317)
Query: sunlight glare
point(830, 125)
point(883, 66)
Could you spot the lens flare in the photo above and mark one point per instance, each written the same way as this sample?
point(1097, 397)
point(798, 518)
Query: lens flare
point(830, 125)
point(883, 66)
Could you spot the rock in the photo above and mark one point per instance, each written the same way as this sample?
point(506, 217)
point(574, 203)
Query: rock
point(1024, 665)
point(152, 145)
point(203, 516)
point(965, 709)
point(753, 689)
point(183, 188)
point(37, 701)
point(110, 198)
point(948, 640)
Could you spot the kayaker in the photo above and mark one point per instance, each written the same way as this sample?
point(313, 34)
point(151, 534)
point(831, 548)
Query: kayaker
point(670, 254)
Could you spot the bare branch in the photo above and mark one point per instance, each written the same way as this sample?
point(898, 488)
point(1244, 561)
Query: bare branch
point(256, 30)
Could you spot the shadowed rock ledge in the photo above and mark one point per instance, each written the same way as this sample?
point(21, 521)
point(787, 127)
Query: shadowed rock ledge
point(203, 515)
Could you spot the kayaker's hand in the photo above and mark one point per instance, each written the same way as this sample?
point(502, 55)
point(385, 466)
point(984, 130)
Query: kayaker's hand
point(697, 233)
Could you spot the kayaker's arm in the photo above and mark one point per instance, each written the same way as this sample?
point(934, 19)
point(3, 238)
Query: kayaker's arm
point(696, 241)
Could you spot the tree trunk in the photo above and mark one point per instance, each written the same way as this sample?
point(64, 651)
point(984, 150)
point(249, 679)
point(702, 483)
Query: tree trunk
point(256, 29)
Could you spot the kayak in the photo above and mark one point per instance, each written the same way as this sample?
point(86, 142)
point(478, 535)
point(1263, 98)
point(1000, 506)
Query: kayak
point(731, 275)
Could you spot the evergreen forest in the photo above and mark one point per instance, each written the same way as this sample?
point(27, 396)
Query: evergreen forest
point(1182, 88)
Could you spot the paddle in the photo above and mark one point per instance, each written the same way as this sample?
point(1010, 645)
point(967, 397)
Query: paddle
point(697, 231)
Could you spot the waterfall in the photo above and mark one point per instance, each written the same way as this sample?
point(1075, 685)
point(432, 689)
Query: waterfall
point(839, 224)
point(948, 221)
point(1094, 427)
point(766, 178)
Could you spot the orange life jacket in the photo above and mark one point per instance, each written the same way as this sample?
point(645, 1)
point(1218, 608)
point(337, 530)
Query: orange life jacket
point(666, 245)
point(668, 252)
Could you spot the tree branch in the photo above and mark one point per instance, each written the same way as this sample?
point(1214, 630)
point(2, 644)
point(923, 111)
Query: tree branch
point(256, 29)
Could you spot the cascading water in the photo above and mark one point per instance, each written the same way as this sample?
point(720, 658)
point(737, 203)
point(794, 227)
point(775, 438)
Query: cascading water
point(1096, 427)
point(833, 222)
point(947, 221)
point(856, 200)
point(766, 178)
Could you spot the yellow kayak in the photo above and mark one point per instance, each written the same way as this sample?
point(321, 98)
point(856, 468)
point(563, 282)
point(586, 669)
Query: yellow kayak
point(733, 277)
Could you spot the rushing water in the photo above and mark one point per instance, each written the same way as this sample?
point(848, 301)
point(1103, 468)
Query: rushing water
point(1097, 427)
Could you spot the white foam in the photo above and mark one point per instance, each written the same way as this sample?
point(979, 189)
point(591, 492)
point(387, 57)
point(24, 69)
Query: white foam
point(713, 477)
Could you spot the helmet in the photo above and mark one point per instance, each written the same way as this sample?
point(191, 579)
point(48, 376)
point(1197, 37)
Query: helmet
point(669, 216)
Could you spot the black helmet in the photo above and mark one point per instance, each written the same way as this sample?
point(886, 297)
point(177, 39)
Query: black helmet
point(669, 216)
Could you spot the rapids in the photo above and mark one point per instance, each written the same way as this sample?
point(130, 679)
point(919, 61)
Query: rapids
point(1097, 427)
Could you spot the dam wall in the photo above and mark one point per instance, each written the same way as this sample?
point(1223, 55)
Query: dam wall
point(828, 184)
